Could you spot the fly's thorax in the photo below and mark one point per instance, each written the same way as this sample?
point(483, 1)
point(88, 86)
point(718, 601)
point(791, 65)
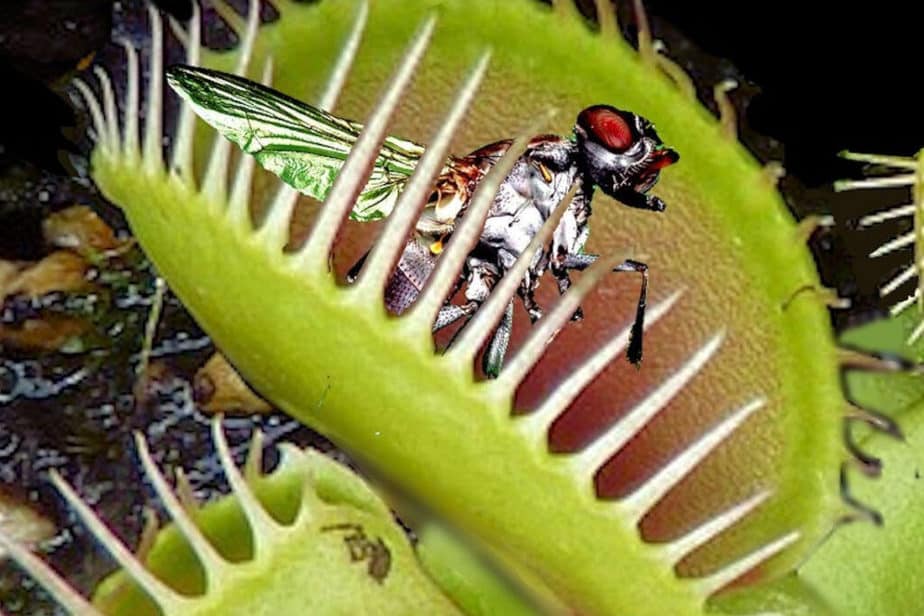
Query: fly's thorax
point(513, 232)
point(553, 167)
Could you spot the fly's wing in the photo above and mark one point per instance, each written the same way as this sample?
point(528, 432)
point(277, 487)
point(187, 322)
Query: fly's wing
point(303, 145)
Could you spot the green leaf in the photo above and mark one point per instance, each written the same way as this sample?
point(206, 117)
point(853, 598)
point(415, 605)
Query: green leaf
point(886, 392)
point(788, 596)
point(863, 569)
point(471, 582)
point(328, 546)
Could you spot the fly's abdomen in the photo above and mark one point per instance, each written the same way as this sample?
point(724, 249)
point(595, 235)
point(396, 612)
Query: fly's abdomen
point(409, 277)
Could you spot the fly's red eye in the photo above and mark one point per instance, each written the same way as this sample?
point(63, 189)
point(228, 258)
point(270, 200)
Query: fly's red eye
point(608, 127)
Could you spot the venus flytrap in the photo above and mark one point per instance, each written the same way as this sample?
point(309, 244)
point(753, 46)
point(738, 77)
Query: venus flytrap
point(876, 570)
point(645, 492)
point(320, 541)
point(897, 171)
point(893, 388)
point(845, 573)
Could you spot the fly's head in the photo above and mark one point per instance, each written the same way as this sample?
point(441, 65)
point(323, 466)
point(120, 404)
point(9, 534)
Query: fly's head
point(621, 152)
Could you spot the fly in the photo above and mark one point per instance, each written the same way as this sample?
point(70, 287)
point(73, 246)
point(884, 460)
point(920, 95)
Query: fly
point(614, 150)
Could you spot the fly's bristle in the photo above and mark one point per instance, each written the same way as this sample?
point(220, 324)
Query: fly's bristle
point(586, 463)
point(378, 267)
point(682, 465)
point(314, 255)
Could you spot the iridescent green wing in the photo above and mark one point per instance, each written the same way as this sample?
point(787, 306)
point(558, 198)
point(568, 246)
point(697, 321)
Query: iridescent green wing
point(303, 145)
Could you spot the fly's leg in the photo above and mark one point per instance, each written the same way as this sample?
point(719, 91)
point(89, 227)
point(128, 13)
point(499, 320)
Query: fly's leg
point(583, 261)
point(531, 305)
point(450, 313)
point(564, 283)
point(481, 278)
point(493, 358)
point(640, 200)
point(353, 274)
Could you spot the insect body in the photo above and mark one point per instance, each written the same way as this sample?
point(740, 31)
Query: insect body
point(617, 151)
